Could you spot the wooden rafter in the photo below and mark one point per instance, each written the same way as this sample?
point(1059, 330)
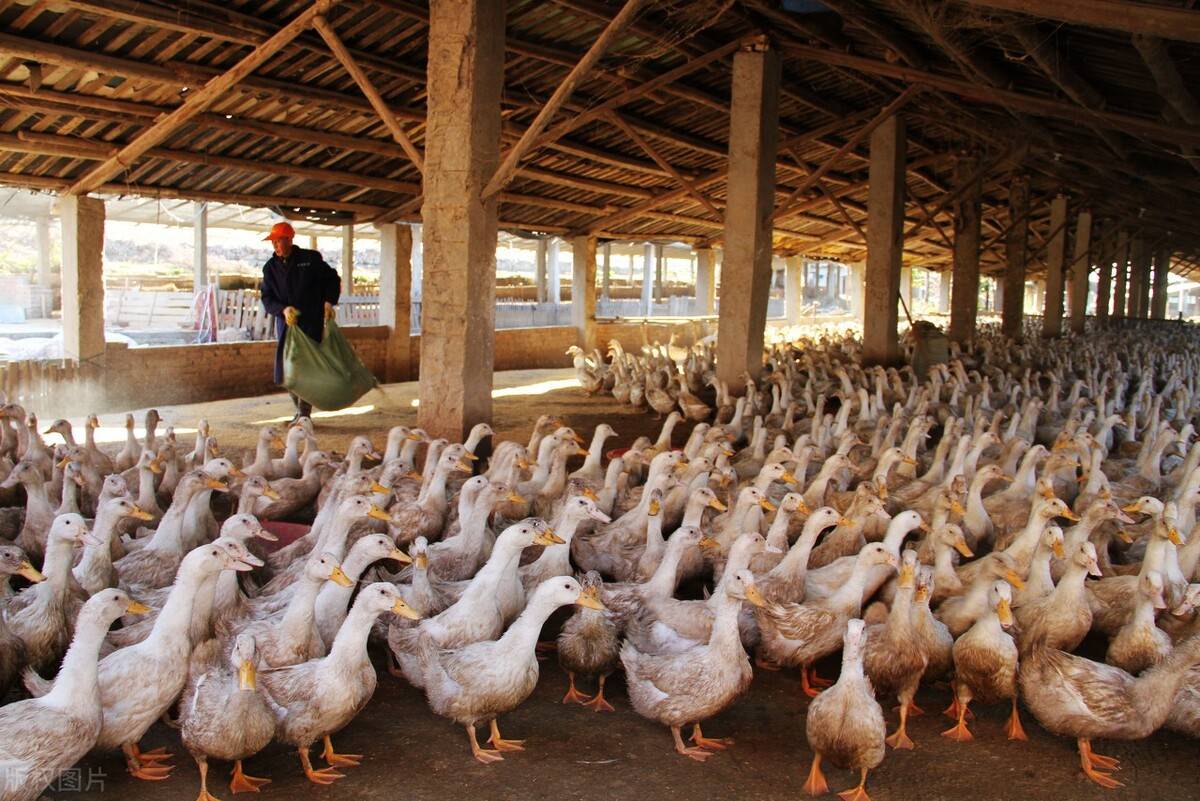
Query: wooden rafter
point(1117, 15)
point(197, 102)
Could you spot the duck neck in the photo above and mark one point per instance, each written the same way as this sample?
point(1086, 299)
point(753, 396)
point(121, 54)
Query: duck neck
point(777, 534)
point(298, 618)
point(666, 576)
point(591, 465)
point(173, 622)
point(70, 498)
point(146, 496)
point(849, 595)
point(608, 494)
point(56, 565)
point(262, 454)
point(521, 637)
point(556, 481)
point(350, 643)
point(335, 535)
point(75, 687)
point(725, 636)
point(435, 491)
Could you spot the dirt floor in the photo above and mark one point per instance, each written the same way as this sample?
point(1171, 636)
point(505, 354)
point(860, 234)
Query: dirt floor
point(573, 753)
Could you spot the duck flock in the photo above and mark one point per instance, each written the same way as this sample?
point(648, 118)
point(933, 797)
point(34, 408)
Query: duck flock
point(972, 526)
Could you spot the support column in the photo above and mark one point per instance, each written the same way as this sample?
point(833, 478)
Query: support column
point(395, 298)
point(539, 271)
point(964, 299)
point(706, 284)
point(1056, 252)
point(462, 151)
point(855, 287)
point(1016, 246)
point(906, 291)
point(418, 260)
point(583, 290)
point(312, 242)
point(793, 293)
point(659, 263)
point(1081, 266)
point(82, 277)
point(45, 275)
point(1104, 262)
point(606, 279)
point(347, 259)
point(199, 247)
point(885, 241)
point(750, 202)
point(1121, 257)
point(1162, 265)
point(1139, 279)
point(647, 278)
point(554, 268)
point(997, 295)
point(944, 291)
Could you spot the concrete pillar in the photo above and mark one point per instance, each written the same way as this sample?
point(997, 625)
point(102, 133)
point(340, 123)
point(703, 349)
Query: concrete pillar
point(1139, 278)
point(659, 262)
point(45, 275)
point(997, 295)
point(1039, 295)
point(647, 279)
point(750, 201)
point(944, 284)
point(312, 242)
point(1056, 252)
point(964, 299)
point(607, 275)
point(539, 271)
point(885, 241)
point(583, 290)
point(462, 151)
point(347, 259)
point(793, 293)
point(418, 260)
point(554, 270)
point(906, 293)
point(1104, 260)
point(855, 287)
point(1121, 259)
point(199, 246)
point(395, 298)
point(1162, 266)
point(82, 221)
point(1081, 266)
point(1017, 255)
point(706, 283)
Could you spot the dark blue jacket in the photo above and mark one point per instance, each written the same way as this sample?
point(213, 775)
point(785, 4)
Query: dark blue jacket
point(305, 281)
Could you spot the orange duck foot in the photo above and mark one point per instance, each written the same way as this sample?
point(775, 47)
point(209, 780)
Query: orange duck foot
point(816, 784)
point(241, 783)
point(337, 760)
point(707, 743)
point(573, 695)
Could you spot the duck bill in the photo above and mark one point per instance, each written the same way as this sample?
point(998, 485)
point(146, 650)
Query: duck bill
point(515, 498)
point(1069, 515)
point(263, 534)
point(709, 544)
point(462, 466)
point(413, 438)
point(1158, 601)
point(1057, 547)
point(1132, 508)
point(30, 573)
point(1124, 536)
point(404, 610)
point(413, 474)
point(921, 594)
point(1004, 612)
point(882, 492)
point(88, 538)
point(401, 557)
point(139, 513)
point(379, 489)
point(339, 577)
point(788, 478)
point(155, 467)
point(596, 514)
point(655, 508)
point(137, 608)
point(470, 457)
point(1012, 578)
point(716, 504)
point(754, 596)
point(219, 486)
point(590, 598)
point(379, 514)
point(961, 546)
point(278, 443)
point(247, 676)
point(767, 505)
point(421, 560)
point(1173, 536)
point(582, 452)
point(957, 508)
point(548, 537)
point(590, 494)
point(1094, 569)
point(271, 494)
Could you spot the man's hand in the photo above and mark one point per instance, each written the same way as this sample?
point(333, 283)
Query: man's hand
point(290, 314)
point(329, 313)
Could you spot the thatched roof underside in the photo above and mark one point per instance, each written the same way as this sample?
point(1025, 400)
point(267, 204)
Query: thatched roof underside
point(1076, 108)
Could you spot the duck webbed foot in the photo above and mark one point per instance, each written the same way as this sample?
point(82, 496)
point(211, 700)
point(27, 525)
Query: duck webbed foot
point(816, 784)
point(500, 744)
point(1013, 727)
point(322, 776)
point(145, 769)
point(598, 704)
point(698, 754)
point(484, 755)
point(858, 793)
point(708, 743)
point(573, 695)
point(808, 684)
point(204, 795)
point(241, 783)
point(339, 760)
point(959, 732)
point(1096, 766)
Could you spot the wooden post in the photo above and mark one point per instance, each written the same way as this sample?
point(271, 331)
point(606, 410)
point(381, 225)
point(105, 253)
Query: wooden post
point(750, 199)
point(583, 290)
point(347, 259)
point(793, 294)
point(606, 278)
point(199, 247)
point(647, 278)
point(885, 241)
point(395, 298)
point(1016, 249)
point(45, 276)
point(1104, 262)
point(1081, 265)
point(462, 150)
point(1138, 305)
point(82, 278)
point(554, 270)
point(1121, 258)
point(706, 284)
point(660, 258)
point(1056, 252)
point(1162, 266)
point(964, 301)
point(418, 260)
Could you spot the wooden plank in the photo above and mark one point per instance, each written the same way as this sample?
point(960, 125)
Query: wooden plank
point(1118, 15)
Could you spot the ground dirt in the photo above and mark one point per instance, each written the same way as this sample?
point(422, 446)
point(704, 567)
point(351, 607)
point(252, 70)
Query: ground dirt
point(573, 753)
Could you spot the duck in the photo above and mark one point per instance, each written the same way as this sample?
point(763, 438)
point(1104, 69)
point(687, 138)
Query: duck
point(478, 681)
point(797, 635)
point(333, 600)
point(1140, 644)
point(39, 511)
point(95, 570)
point(933, 634)
point(224, 714)
point(40, 738)
point(555, 560)
point(12, 648)
point(690, 685)
point(959, 612)
point(589, 645)
point(1063, 618)
point(625, 599)
point(426, 517)
point(1072, 696)
point(317, 698)
point(985, 665)
point(844, 724)
point(893, 658)
point(786, 582)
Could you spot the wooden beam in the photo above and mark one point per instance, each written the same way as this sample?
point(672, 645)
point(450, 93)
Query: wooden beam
point(197, 102)
point(1117, 15)
point(699, 196)
point(508, 164)
point(1031, 104)
point(373, 97)
point(889, 34)
point(1167, 78)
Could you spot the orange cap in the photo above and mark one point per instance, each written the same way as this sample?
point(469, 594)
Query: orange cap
point(280, 230)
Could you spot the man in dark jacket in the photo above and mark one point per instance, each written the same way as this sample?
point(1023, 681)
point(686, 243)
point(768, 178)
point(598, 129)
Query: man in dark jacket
point(300, 289)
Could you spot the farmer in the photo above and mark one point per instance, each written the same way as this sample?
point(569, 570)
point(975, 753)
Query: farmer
point(298, 288)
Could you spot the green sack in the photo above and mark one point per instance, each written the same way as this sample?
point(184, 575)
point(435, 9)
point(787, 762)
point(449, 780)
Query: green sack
point(327, 374)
